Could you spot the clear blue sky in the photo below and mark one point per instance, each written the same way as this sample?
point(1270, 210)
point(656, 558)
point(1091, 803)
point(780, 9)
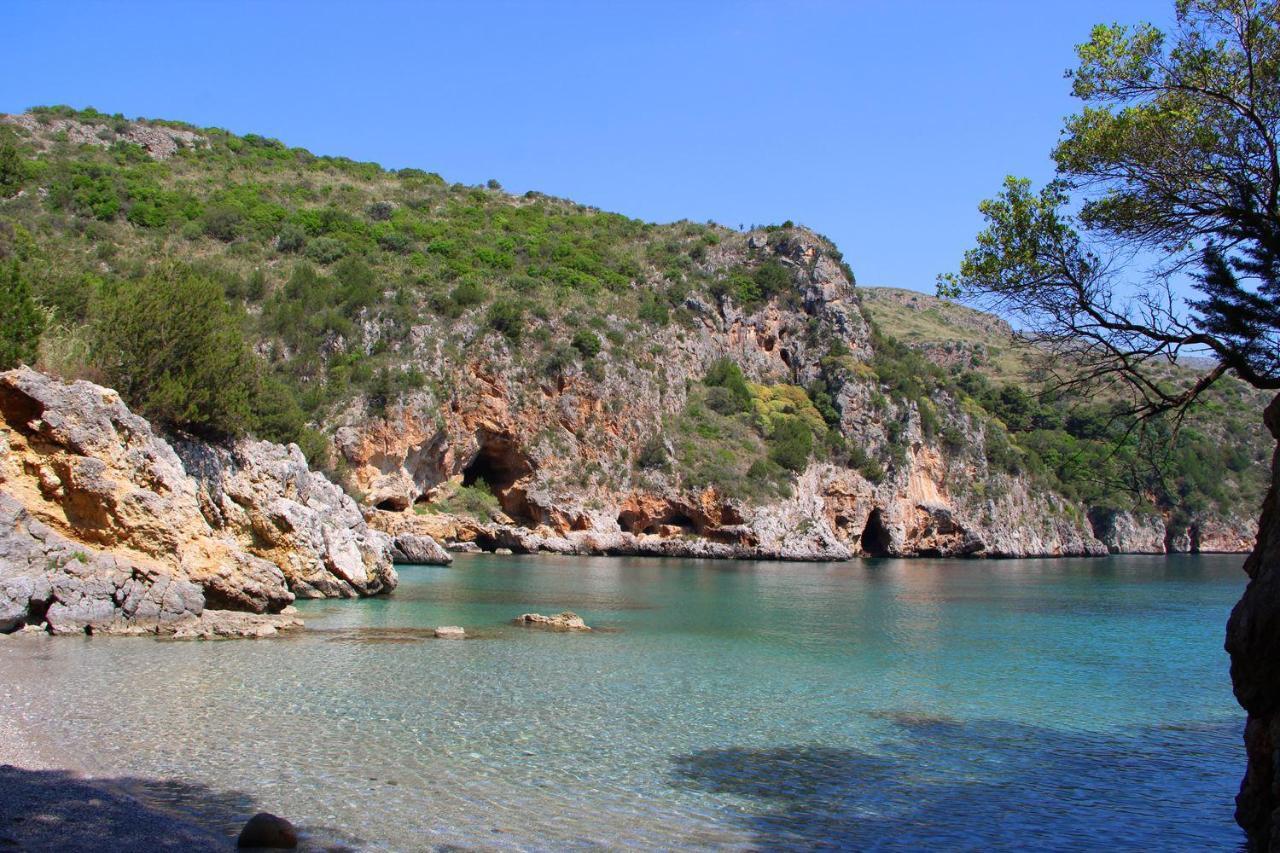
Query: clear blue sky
point(880, 124)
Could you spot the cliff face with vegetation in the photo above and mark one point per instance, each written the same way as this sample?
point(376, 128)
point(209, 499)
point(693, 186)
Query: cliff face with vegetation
point(527, 373)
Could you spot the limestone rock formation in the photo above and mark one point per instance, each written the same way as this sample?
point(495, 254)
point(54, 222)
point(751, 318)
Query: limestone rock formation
point(419, 550)
point(46, 578)
point(267, 498)
point(530, 439)
point(104, 527)
point(566, 621)
point(1127, 533)
point(159, 142)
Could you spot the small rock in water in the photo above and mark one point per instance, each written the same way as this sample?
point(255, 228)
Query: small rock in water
point(503, 552)
point(450, 632)
point(266, 830)
point(566, 621)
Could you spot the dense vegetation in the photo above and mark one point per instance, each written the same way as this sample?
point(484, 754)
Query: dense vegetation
point(1087, 449)
point(302, 277)
point(744, 438)
point(327, 261)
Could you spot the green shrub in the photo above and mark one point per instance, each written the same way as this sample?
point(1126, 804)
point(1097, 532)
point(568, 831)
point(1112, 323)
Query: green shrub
point(292, 239)
point(507, 318)
point(14, 170)
point(872, 470)
point(726, 374)
point(772, 278)
point(1000, 452)
point(586, 343)
point(325, 250)
point(653, 455)
point(791, 443)
point(20, 319)
point(953, 439)
point(476, 501)
point(171, 346)
point(722, 401)
point(653, 310)
point(222, 222)
point(467, 294)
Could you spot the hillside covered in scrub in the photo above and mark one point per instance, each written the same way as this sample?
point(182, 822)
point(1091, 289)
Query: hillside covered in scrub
point(526, 372)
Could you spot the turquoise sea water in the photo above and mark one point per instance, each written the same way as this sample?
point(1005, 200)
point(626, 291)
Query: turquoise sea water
point(895, 705)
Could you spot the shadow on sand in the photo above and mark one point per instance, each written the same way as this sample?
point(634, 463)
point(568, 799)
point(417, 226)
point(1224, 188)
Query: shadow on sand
point(56, 810)
point(942, 784)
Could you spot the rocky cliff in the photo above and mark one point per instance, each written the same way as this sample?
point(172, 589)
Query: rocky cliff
point(560, 452)
point(1253, 641)
point(107, 526)
point(529, 373)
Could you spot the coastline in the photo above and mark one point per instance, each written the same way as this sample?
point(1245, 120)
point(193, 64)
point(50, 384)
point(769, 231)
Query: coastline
point(52, 801)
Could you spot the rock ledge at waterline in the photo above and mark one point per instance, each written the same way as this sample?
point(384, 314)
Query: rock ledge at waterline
point(107, 526)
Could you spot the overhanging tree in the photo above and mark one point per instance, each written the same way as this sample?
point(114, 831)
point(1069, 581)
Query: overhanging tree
point(1168, 176)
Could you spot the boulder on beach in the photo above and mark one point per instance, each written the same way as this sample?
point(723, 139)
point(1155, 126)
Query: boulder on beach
point(565, 621)
point(267, 831)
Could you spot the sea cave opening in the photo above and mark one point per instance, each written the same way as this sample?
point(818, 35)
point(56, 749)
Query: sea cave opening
point(500, 466)
point(875, 536)
point(639, 522)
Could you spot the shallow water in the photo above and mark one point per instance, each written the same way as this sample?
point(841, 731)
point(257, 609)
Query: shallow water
point(894, 705)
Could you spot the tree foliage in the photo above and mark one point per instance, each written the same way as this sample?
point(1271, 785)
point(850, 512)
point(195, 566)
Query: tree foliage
point(20, 319)
point(170, 344)
point(1170, 170)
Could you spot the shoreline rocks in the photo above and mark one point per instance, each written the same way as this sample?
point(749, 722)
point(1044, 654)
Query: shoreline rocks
point(419, 550)
point(564, 621)
point(928, 531)
point(108, 527)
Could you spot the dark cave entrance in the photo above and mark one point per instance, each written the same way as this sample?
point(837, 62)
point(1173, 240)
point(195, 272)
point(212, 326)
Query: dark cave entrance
point(875, 536)
point(500, 465)
point(674, 519)
point(637, 522)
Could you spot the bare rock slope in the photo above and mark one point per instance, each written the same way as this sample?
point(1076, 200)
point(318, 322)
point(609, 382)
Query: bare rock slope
point(106, 526)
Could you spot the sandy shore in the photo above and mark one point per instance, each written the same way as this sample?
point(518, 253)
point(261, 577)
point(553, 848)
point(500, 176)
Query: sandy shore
point(48, 803)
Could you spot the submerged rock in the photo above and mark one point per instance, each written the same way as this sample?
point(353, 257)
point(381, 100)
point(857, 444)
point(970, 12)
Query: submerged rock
point(265, 830)
point(233, 625)
point(450, 632)
point(566, 621)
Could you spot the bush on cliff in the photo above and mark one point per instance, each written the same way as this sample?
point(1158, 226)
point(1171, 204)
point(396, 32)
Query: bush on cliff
point(13, 170)
point(587, 343)
point(170, 344)
point(20, 319)
point(725, 374)
point(791, 443)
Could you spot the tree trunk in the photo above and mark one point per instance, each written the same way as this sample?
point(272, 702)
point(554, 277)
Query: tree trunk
point(1253, 640)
